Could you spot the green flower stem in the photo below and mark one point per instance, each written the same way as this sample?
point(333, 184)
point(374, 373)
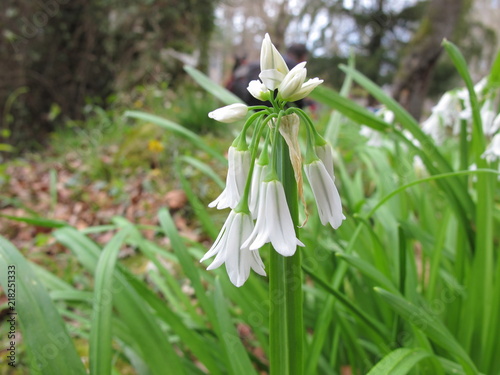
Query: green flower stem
point(285, 286)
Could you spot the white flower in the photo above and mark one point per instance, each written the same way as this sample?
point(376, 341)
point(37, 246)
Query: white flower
point(237, 173)
point(274, 223)
point(272, 78)
point(293, 87)
point(270, 58)
point(375, 138)
point(492, 152)
point(228, 248)
point(325, 154)
point(229, 113)
point(272, 65)
point(293, 81)
point(489, 118)
point(259, 173)
point(305, 89)
point(258, 90)
point(432, 126)
point(325, 193)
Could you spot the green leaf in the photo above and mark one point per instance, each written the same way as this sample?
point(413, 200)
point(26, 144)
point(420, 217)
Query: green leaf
point(432, 327)
point(201, 212)
point(347, 107)
point(37, 221)
point(210, 86)
point(49, 346)
point(100, 332)
point(399, 361)
point(146, 336)
point(494, 77)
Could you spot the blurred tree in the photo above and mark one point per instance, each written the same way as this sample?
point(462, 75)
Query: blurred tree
point(66, 53)
point(442, 20)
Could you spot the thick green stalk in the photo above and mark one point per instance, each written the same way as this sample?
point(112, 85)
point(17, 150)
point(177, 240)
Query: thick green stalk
point(285, 286)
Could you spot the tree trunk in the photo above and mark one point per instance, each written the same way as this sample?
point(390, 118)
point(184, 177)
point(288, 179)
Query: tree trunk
point(412, 80)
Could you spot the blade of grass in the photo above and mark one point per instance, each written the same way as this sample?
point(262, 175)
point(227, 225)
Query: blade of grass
point(227, 97)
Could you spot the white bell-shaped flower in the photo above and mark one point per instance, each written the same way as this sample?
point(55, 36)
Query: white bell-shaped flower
point(229, 113)
point(259, 172)
point(274, 223)
point(229, 250)
point(492, 152)
point(325, 154)
point(325, 193)
point(237, 173)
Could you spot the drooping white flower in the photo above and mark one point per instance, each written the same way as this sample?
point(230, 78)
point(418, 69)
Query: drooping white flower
point(325, 193)
point(489, 118)
point(229, 250)
point(237, 173)
point(492, 152)
point(325, 154)
point(258, 175)
point(274, 223)
point(258, 90)
point(229, 113)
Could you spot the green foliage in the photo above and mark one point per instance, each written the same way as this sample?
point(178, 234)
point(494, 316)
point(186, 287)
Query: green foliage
point(406, 285)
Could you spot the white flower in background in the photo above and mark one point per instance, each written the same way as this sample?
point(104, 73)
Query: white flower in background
point(229, 113)
point(492, 152)
point(272, 65)
point(274, 223)
point(375, 138)
point(433, 127)
point(489, 118)
point(229, 250)
point(325, 193)
point(386, 115)
point(448, 109)
point(258, 90)
point(259, 173)
point(237, 174)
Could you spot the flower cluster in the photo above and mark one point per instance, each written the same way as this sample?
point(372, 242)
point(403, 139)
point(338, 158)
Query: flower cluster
point(254, 193)
point(454, 107)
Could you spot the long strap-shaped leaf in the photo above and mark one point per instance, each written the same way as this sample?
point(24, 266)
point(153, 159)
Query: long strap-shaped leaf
point(100, 333)
point(431, 326)
point(399, 361)
point(49, 346)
